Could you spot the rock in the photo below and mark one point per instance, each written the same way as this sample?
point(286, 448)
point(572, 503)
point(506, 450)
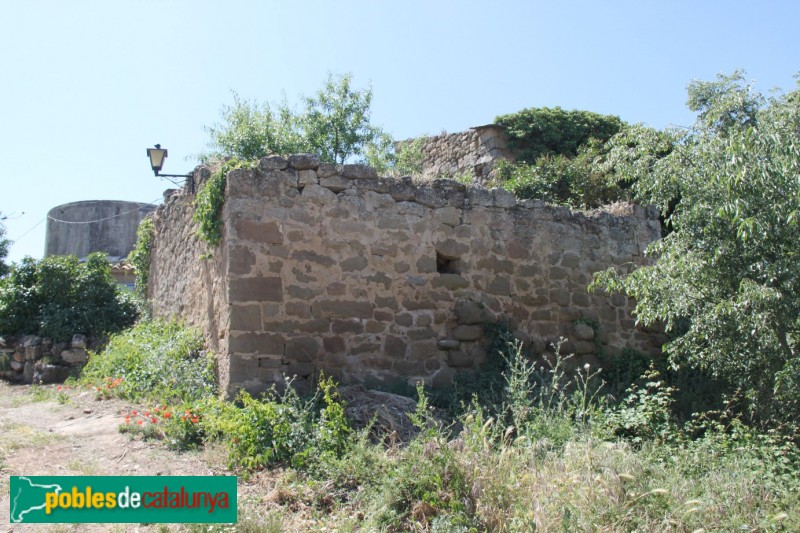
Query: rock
point(459, 359)
point(450, 281)
point(584, 332)
point(468, 333)
point(448, 344)
point(31, 340)
point(51, 374)
point(335, 183)
point(272, 162)
point(78, 341)
point(326, 170)
point(28, 371)
point(469, 312)
point(16, 366)
point(304, 161)
point(358, 172)
point(503, 198)
point(74, 356)
point(306, 177)
point(478, 196)
point(32, 353)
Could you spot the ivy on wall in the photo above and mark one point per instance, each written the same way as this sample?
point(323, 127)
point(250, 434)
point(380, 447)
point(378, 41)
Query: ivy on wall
point(140, 255)
point(210, 200)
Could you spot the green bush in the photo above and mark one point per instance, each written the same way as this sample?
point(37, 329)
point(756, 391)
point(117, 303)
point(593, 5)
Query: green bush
point(154, 360)
point(277, 429)
point(59, 296)
point(535, 132)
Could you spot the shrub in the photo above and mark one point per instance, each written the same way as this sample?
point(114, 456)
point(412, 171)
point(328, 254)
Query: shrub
point(154, 360)
point(59, 296)
point(277, 429)
point(535, 132)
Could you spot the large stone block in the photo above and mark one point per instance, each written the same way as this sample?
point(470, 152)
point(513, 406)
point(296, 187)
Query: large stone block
point(342, 309)
point(263, 343)
point(245, 317)
point(467, 333)
point(303, 349)
point(336, 184)
point(450, 282)
point(74, 356)
point(311, 256)
point(272, 162)
point(304, 161)
point(256, 289)
point(358, 172)
point(354, 264)
point(260, 232)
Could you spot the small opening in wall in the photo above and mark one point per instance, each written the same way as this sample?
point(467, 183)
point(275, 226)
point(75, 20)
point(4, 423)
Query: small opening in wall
point(447, 265)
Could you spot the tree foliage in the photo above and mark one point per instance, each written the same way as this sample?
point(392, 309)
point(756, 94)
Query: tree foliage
point(725, 280)
point(59, 296)
point(4, 245)
point(535, 132)
point(335, 123)
point(559, 156)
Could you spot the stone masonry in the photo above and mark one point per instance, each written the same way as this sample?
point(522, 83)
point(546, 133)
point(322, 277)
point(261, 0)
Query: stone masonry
point(470, 153)
point(371, 279)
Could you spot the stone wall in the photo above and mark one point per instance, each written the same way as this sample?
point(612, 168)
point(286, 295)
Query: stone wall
point(375, 280)
point(32, 359)
point(470, 153)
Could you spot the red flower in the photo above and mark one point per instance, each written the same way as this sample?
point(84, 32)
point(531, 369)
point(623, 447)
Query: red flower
point(195, 420)
point(139, 421)
point(167, 414)
point(134, 413)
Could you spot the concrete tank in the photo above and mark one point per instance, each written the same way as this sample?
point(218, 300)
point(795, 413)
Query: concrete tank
point(80, 228)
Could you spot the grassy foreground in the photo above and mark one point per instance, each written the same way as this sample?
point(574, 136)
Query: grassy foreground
point(553, 455)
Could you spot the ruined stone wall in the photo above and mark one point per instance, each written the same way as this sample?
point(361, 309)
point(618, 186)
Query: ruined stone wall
point(188, 279)
point(376, 280)
point(473, 152)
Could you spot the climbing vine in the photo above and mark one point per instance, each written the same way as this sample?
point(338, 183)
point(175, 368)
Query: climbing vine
point(209, 202)
point(140, 255)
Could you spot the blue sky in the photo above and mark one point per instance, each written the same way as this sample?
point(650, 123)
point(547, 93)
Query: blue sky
point(86, 86)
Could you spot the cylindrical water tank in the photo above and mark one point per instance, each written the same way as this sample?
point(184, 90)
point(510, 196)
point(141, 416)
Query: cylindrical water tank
point(80, 228)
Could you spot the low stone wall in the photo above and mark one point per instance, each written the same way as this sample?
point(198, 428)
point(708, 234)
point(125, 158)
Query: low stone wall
point(334, 269)
point(474, 152)
point(32, 359)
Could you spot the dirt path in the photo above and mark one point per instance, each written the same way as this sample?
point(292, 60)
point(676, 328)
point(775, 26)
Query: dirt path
point(44, 431)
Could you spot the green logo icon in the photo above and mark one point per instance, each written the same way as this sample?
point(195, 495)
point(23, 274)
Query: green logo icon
point(115, 499)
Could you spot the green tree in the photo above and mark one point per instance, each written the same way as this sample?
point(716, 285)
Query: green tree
point(251, 130)
point(334, 124)
point(4, 245)
point(725, 281)
point(337, 120)
point(59, 296)
point(540, 131)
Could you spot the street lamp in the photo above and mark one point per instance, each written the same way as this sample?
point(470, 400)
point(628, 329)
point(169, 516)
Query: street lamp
point(157, 156)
